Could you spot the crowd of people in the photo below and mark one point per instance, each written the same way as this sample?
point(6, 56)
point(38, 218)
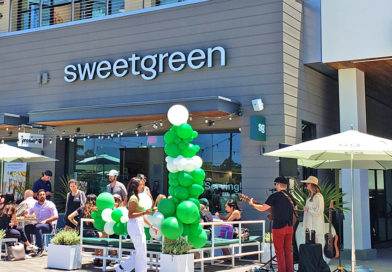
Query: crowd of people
point(40, 215)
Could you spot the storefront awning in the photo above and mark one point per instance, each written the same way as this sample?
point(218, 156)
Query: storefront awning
point(10, 120)
point(213, 106)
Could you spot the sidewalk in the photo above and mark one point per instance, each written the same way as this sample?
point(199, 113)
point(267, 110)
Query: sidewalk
point(383, 263)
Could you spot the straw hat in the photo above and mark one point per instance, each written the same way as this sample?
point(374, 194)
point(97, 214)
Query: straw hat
point(311, 180)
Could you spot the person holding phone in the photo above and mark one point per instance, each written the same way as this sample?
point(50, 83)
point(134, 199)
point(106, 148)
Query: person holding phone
point(135, 227)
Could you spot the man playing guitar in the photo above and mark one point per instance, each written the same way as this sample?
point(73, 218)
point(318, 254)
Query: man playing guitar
point(283, 205)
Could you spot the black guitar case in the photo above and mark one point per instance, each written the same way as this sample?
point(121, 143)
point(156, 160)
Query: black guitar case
point(311, 259)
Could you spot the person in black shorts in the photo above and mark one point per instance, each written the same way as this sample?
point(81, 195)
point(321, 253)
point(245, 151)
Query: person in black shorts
point(283, 205)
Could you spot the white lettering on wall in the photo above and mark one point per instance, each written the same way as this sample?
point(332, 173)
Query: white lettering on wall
point(149, 67)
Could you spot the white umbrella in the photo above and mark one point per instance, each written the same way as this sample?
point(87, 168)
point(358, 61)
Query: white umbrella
point(10, 153)
point(347, 149)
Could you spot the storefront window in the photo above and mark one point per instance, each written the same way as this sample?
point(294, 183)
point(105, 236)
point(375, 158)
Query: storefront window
point(221, 154)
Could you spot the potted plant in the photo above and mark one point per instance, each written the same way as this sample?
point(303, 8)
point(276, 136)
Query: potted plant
point(174, 257)
point(64, 251)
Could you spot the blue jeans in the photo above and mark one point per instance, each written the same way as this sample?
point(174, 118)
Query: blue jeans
point(38, 230)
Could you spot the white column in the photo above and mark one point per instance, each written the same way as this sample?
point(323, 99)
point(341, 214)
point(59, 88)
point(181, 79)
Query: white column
point(353, 114)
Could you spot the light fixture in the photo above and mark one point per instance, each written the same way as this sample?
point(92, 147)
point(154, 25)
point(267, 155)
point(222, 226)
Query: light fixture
point(211, 123)
point(61, 138)
point(121, 133)
point(146, 133)
point(155, 126)
point(161, 123)
point(50, 141)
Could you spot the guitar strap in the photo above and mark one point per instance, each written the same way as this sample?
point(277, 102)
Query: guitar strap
point(291, 202)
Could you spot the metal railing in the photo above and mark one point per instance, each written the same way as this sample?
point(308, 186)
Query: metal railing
point(17, 15)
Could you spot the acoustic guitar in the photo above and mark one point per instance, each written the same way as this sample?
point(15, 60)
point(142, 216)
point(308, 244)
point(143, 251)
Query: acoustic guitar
point(270, 211)
point(331, 249)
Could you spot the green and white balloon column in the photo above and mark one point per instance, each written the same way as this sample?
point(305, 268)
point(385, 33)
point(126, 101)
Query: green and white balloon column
point(186, 180)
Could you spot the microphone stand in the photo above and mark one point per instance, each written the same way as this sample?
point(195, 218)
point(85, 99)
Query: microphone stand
point(268, 266)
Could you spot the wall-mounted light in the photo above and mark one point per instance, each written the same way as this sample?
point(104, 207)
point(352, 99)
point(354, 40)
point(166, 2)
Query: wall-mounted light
point(257, 104)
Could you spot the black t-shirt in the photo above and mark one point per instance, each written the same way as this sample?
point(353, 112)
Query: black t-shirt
point(283, 210)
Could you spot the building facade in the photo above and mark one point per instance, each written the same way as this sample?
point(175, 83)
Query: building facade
point(98, 82)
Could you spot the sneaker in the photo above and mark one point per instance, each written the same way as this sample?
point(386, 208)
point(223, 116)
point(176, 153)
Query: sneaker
point(40, 252)
point(31, 248)
point(118, 268)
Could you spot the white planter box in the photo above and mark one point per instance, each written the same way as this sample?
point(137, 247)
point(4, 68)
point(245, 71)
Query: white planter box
point(266, 256)
point(64, 257)
point(176, 263)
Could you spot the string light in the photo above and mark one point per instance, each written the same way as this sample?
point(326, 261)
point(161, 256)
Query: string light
point(84, 139)
point(6, 128)
point(230, 118)
point(50, 141)
point(2, 141)
point(121, 133)
point(155, 126)
point(146, 133)
point(161, 123)
point(61, 138)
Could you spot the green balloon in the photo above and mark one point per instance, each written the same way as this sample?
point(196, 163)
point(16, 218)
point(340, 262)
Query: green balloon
point(173, 128)
point(184, 131)
point(198, 241)
point(172, 150)
point(96, 214)
point(196, 190)
point(173, 175)
point(147, 232)
point(177, 140)
point(195, 134)
point(118, 228)
point(189, 151)
point(195, 229)
point(171, 190)
point(172, 228)
point(169, 137)
point(167, 207)
point(99, 224)
point(181, 145)
point(185, 232)
point(116, 215)
point(175, 200)
point(196, 201)
point(126, 227)
point(105, 201)
point(174, 182)
point(181, 193)
point(185, 179)
point(198, 175)
point(187, 212)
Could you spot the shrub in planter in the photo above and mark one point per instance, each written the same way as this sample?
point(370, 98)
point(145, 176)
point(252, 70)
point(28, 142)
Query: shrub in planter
point(64, 251)
point(174, 256)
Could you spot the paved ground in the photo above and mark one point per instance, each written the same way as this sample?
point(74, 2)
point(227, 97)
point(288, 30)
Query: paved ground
point(382, 264)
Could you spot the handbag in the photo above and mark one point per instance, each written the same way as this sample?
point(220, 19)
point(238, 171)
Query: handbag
point(244, 234)
point(16, 252)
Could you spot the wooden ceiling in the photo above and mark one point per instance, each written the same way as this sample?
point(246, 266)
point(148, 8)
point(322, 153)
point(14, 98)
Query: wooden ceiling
point(378, 76)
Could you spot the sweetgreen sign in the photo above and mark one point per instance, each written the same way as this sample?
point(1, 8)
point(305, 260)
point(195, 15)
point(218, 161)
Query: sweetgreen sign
point(257, 128)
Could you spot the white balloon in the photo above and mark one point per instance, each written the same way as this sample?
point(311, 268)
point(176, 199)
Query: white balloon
point(145, 201)
point(189, 167)
point(108, 228)
point(198, 161)
point(151, 219)
point(107, 215)
point(155, 235)
point(158, 218)
point(124, 219)
point(177, 115)
point(124, 210)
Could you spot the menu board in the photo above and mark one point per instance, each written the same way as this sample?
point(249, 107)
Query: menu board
point(14, 178)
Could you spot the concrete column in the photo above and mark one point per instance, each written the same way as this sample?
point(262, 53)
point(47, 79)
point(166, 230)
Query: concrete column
point(353, 114)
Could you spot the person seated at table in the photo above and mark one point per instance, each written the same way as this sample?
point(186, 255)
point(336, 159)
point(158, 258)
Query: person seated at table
point(26, 204)
point(46, 212)
point(9, 223)
point(233, 214)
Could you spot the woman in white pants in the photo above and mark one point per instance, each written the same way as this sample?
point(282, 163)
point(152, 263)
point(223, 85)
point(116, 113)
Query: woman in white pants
point(314, 210)
point(135, 229)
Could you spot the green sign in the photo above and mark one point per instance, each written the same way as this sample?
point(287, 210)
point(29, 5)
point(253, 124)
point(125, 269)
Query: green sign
point(258, 128)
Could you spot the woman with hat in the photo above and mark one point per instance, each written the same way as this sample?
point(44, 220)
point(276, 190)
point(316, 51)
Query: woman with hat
point(314, 209)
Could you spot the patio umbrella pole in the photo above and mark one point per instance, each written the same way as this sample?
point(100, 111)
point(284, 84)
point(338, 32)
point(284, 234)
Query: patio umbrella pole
point(353, 261)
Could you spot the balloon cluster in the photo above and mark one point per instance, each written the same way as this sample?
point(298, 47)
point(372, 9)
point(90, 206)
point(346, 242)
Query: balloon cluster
point(107, 219)
point(186, 179)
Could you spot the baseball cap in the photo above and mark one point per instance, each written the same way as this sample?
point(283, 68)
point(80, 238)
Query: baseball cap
point(48, 173)
point(204, 201)
point(281, 180)
point(113, 173)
